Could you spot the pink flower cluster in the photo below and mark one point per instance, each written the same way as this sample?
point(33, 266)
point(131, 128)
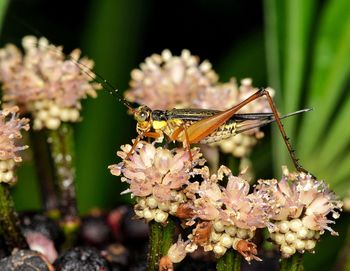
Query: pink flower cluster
point(220, 208)
point(165, 81)
point(43, 82)
point(10, 132)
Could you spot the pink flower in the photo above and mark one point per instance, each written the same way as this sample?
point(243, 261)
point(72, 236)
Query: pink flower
point(44, 82)
point(158, 171)
point(10, 132)
point(165, 81)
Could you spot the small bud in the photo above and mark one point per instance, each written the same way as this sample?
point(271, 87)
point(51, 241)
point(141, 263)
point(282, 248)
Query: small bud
point(219, 249)
point(283, 226)
point(226, 240)
point(219, 226)
point(152, 202)
point(295, 225)
point(231, 230)
point(160, 216)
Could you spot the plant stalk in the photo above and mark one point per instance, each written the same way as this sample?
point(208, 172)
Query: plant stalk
point(293, 263)
point(229, 262)
point(48, 189)
point(62, 153)
point(9, 221)
point(168, 236)
point(155, 245)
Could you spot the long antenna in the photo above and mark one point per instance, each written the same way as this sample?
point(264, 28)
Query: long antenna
point(95, 77)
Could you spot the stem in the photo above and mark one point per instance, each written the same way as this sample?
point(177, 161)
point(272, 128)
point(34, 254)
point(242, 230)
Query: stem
point(49, 193)
point(168, 236)
point(61, 146)
point(293, 263)
point(9, 221)
point(230, 261)
point(155, 242)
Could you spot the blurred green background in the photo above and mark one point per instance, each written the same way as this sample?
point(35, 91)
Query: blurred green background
point(301, 48)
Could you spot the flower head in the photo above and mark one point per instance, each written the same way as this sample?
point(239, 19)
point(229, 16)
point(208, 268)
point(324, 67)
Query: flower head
point(10, 132)
point(156, 176)
point(301, 208)
point(228, 215)
point(165, 81)
point(44, 83)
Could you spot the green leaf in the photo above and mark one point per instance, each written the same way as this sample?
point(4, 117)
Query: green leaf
point(337, 138)
point(330, 71)
point(3, 8)
point(274, 12)
point(299, 18)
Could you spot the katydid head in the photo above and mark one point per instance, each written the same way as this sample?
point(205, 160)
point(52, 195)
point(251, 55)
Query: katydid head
point(143, 116)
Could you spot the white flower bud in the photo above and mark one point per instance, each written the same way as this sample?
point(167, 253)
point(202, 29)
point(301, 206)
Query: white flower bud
point(152, 202)
point(173, 207)
point(160, 216)
point(54, 110)
point(177, 252)
point(142, 202)
point(310, 244)
point(180, 197)
point(279, 238)
point(8, 176)
point(52, 123)
point(139, 213)
point(74, 115)
point(219, 250)
point(302, 233)
point(310, 234)
point(148, 214)
point(231, 230)
point(226, 240)
point(64, 114)
point(164, 206)
point(242, 233)
point(215, 237)
point(42, 115)
point(287, 250)
point(219, 226)
point(299, 244)
point(290, 237)
point(295, 225)
point(283, 226)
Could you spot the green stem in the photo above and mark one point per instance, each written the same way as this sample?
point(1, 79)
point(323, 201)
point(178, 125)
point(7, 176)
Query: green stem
point(9, 221)
point(61, 146)
point(49, 193)
point(168, 236)
point(155, 242)
point(231, 261)
point(293, 263)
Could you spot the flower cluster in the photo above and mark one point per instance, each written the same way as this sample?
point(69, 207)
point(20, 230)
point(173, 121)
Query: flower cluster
point(226, 217)
point(10, 132)
point(220, 208)
point(166, 81)
point(156, 177)
point(301, 210)
point(44, 83)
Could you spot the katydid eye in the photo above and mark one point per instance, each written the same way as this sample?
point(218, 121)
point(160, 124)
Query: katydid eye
point(143, 115)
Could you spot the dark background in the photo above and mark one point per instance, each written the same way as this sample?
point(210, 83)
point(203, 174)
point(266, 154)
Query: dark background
point(300, 48)
point(118, 35)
